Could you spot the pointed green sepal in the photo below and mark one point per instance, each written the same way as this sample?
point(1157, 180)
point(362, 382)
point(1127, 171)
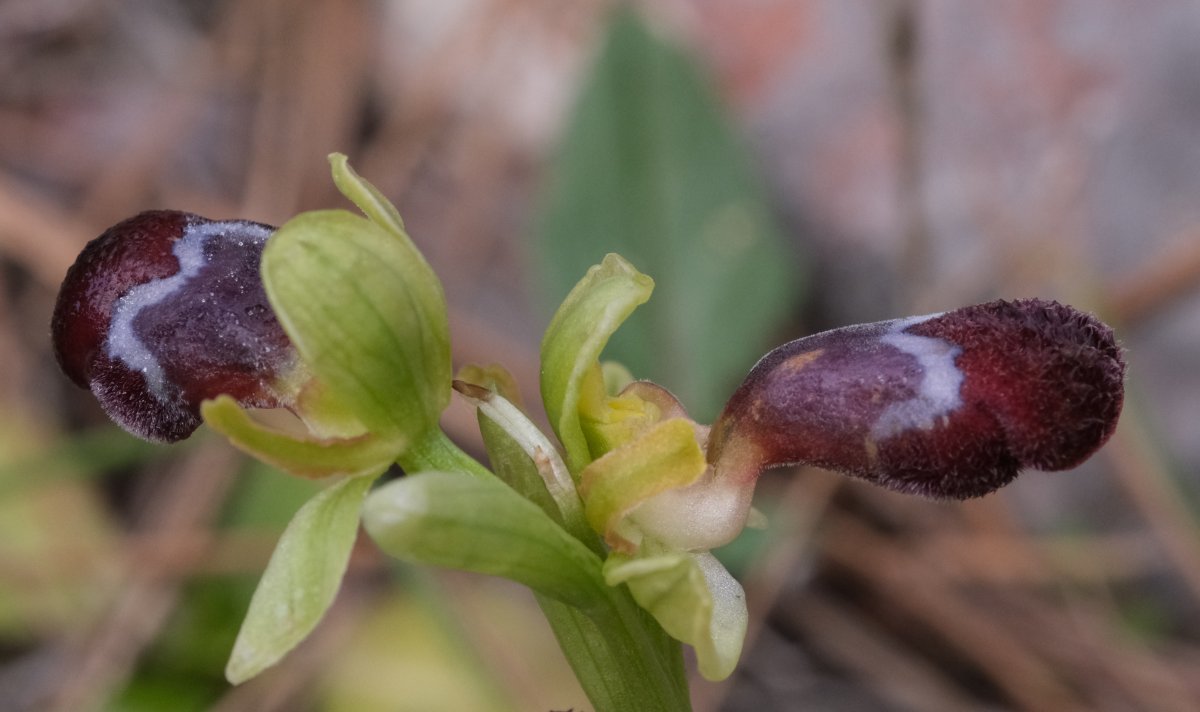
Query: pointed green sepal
point(367, 316)
point(366, 196)
point(301, 579)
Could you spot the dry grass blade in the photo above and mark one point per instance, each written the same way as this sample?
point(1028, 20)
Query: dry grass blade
point(897, 676)
point(1144, 475)
point(1165, 279)
point(915, 589)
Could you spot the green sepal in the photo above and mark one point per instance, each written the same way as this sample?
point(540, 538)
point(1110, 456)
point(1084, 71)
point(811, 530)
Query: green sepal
point(301, 579)
point(309, 457)
point(694, 598)
point(367, 316)
point(366, 196)
point(478, 524)
point(667, 456)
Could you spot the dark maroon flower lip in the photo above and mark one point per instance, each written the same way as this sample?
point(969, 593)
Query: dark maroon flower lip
point(164, 310)
point(133, 251)
point(946, 405)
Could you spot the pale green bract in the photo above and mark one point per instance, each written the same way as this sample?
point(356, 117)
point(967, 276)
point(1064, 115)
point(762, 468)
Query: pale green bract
point(301, 579)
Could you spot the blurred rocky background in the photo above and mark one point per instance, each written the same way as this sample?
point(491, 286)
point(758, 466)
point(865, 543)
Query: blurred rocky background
point(913, 155)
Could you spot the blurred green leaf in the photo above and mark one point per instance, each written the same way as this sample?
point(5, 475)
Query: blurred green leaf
point(482, 525)
point(301, 579)
point(266, 498)
point(409, 654)
point(367, 316)
point(650, 168)
point(80, 456)
point(157, 692)
point(58, 541)
point(179, 671)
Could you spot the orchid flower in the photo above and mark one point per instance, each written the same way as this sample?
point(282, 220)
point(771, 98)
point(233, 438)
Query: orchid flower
point(171, 320)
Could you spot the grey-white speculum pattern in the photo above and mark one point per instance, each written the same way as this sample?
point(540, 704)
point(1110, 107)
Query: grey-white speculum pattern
point(938, 393)
point(123, 344)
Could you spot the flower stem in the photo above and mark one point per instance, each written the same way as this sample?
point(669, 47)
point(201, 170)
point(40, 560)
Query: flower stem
point(436, 451)
point(621, 656)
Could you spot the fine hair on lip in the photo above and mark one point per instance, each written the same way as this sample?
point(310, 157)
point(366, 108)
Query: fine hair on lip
point(165, 310)
point(948, 405)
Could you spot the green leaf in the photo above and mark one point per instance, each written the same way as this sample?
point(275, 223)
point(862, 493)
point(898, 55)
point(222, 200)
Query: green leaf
point(695, 600)
point(571, 347)
point(649, 167)
point(478, 524)
point(304, 457)
point(301, 579)
point(366, 315)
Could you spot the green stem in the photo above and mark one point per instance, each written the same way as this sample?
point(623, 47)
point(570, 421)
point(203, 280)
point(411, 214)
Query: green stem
point(621, 656)
point(436, 451)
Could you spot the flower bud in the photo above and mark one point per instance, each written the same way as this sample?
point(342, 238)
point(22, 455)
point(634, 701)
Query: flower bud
point(165, 310)
point(947, 405)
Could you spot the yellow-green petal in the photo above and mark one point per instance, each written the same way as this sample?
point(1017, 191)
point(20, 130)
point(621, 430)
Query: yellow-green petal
point(694, 598)
point(576, 336)
point(667, 456)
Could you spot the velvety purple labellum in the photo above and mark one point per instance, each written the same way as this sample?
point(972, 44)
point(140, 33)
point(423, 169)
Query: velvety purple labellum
point(164, 310)
point(947, 405)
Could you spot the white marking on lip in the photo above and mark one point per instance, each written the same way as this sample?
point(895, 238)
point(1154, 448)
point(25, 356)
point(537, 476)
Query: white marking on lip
point(123, 344)
point(938, 392)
